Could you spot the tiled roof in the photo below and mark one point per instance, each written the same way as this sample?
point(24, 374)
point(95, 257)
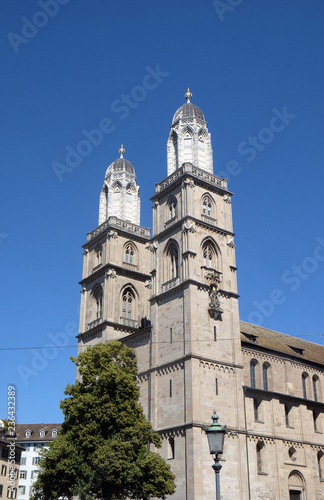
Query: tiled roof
point(35, 430)
point(258, 336)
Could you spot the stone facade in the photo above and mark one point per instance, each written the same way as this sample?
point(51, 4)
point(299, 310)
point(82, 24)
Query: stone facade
point(173, 297)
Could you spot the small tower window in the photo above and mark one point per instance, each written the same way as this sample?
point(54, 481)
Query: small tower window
point(172, 208)
point(292, 453)
point(98, 254)
point(129, 254)
point(171, 448)
point(315, 387)
point(260, 452)
point(128, 303)
point(320, 464)
point(207, 206)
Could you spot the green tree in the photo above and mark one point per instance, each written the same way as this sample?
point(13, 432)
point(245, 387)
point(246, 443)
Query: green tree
point(103, 450)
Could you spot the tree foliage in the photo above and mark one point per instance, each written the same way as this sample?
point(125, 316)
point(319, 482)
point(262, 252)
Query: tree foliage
point(103, 450)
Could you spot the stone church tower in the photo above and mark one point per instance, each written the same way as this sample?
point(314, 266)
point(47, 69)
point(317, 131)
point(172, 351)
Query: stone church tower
point(172, 296)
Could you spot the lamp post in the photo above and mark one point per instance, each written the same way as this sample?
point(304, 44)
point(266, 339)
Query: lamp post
point(215, 434)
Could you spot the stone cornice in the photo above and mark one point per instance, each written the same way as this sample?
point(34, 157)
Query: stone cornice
point(175, 227)
point(213, 182)
point(310, 403)
point(185, 283)
point(124, 227)
point(120, 271)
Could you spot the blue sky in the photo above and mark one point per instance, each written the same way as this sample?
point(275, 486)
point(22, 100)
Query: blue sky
point(256, 70)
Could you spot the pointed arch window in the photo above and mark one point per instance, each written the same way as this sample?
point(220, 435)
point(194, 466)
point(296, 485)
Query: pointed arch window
point(98, 254)
point(97, 295)
point(128, 299)
point(207, 206)
point(173, 262)
point(171, 448)
point(129, 253)
point(209, 254)
point(172, 208)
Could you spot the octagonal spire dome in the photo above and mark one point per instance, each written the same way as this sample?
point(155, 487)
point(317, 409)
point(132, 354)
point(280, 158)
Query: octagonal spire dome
point(120, 164)
point(188, 110)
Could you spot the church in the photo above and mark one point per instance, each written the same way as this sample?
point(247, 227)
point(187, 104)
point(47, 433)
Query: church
point(171, 294)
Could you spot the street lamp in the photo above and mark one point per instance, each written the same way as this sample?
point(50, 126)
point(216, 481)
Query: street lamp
point(215, 434)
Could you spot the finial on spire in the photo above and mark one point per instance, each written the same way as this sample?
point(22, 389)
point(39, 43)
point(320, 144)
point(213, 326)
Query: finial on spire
point(121, 151)
point(188, 95)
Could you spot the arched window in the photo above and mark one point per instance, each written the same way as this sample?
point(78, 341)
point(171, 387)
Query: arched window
point(97, 295)
point(54, 433)
point(320, 464)
point(265, 373)
point(128, 299)
point(207, 206)
point(28, 433)
point(129, 253)
point(171, 448)
point(42, 433)
point(172, 261)
point(172, 208)
point(296, 486)
point(253, 364)
point(260, 452)
point(98, 251)
point(304, 384)
point(209, 254)
point(315, 387)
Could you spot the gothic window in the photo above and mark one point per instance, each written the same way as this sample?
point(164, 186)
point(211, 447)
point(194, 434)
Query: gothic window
point(265, 371)
point(209, 254)
point(304, 384)
point(253, 364)
point(172, 261)
point(98, 251)
point(260, 452)
point(129, 253)
point(128, 300)
point(207, 206)
point(172, 208)
point(97, 295)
